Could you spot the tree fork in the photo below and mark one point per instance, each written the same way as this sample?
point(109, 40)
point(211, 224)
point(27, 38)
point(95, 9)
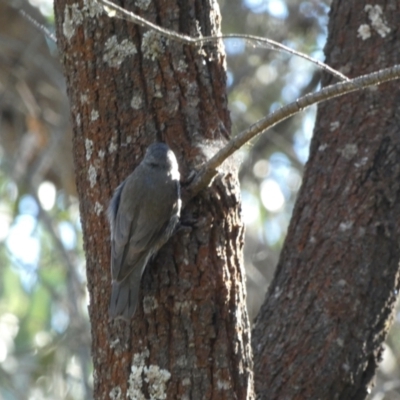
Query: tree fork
point(128, 88)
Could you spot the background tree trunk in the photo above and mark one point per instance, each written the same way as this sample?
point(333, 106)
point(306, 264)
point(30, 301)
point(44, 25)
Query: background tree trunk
point(128, 88)
point(319, 333)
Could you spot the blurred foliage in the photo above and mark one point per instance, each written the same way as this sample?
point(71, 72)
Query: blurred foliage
point(44, 328)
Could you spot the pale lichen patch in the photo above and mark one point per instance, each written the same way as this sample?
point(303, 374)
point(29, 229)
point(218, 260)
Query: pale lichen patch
point(98, 208)
point(112, 147)
point(349, 151)
point(72, 18)
point(155, 377)
point(278, 292)
point(223, 385)
point(361, 163)
point(94, 115)
point(182, 66)
point(88, 148)
point(115, 393)
point(143, 4)
point(92, 175)
point(152, 45)
point(340, 342)
point(322, 147)
point(182, 361)
point(157, 92)
point(114, 343)
point(115, 53)
point(137, 102)
point(92, 8)
point(149, 304)
point(140, 358)
point(186, 382)
point(341, 283)
point(345, 226)
point(375, 15)
point(84, 98)
point(135, 383)
point(364, 32)
point(334, 125)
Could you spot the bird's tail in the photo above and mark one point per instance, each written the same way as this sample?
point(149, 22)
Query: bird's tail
point(124, 298)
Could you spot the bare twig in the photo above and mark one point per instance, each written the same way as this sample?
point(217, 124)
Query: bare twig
point(39, 26)
point(179, 37)
point(209, 169)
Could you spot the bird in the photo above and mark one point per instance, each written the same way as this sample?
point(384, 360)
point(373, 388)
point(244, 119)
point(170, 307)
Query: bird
point(143, 213)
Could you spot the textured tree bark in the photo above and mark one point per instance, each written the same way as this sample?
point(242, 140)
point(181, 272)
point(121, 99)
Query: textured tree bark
point(129, 87)
point(319, 333)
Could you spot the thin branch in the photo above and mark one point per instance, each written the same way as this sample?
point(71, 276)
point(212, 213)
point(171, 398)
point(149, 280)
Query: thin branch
point(39, 26)
point(114, 10)
point(209, 169)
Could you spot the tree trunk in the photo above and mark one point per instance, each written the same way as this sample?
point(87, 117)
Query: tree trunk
point(319, 333)
point(128, 87)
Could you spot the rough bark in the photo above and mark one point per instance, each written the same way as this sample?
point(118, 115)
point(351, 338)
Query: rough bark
point(128, 87)
point(319, 333)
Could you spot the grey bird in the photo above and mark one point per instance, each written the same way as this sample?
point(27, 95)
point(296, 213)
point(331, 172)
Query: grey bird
point(143, 214)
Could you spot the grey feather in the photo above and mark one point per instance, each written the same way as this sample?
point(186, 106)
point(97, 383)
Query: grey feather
point(143, 214)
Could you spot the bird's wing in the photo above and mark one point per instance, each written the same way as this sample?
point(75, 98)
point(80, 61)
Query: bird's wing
point(136, 232)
